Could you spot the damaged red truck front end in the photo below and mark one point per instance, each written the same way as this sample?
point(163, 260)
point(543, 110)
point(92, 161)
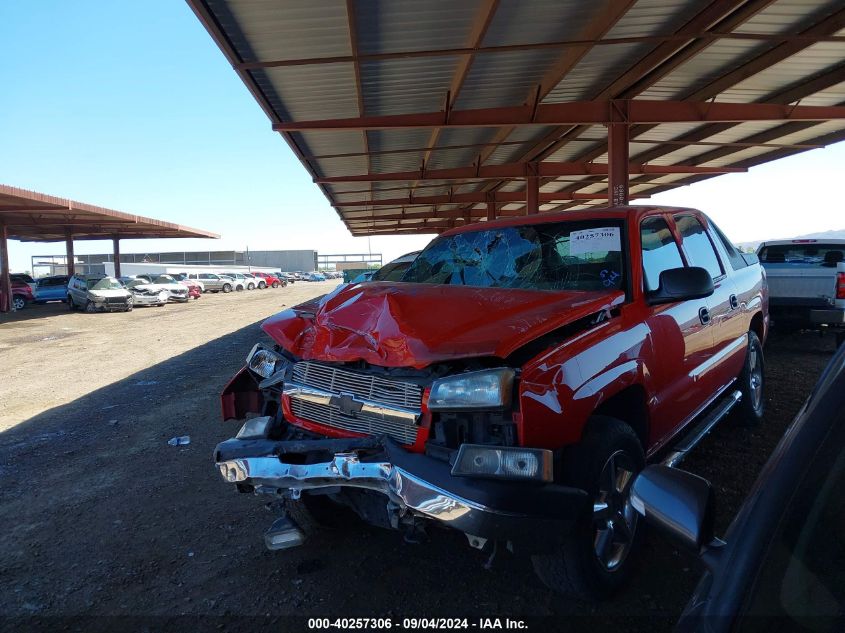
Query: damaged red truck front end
point(510, 387)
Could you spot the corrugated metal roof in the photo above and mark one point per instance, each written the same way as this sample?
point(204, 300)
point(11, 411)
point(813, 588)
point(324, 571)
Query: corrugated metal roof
point(320, 60)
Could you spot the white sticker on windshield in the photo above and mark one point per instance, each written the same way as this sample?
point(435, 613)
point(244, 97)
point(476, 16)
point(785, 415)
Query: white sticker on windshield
point(594, 240)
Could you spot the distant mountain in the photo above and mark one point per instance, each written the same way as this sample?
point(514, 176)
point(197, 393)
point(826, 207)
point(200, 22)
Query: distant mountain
point(821, 235)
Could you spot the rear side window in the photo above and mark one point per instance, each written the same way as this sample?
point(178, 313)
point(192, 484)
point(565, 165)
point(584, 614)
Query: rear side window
point(734, 256)
point(807, 254)
point(697, 245)
point(660, 252)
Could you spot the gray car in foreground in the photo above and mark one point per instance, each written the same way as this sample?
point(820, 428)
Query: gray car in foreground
point(781, 565)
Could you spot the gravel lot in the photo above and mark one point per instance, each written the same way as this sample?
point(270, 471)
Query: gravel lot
point(103, 518)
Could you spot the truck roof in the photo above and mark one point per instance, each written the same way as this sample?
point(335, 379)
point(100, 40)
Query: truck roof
point(798, 240)
point(609, 213)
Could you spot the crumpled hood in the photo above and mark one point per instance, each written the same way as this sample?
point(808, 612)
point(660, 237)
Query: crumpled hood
point(415, 325)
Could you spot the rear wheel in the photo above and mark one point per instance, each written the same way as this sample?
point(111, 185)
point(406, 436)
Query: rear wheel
point(597, 556)
point(250, 286)
point(261, 285)
point(227, 287)
point(750, 409)
point(18, 302)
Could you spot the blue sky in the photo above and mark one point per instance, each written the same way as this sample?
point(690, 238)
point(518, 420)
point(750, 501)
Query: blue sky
point(130, 105)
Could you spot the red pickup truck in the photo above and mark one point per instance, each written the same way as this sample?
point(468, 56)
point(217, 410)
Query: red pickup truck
point(511, 386)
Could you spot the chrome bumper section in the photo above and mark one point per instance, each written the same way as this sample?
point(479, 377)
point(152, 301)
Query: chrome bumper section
point(404, 489)
point(531, 516)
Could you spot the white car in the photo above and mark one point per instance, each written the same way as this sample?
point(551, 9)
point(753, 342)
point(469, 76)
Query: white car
point(176, 291)
point(147, 294)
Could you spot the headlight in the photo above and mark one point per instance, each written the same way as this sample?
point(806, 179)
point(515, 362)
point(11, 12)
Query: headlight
point(486, 389)
point(503, 462)
point(263, 361)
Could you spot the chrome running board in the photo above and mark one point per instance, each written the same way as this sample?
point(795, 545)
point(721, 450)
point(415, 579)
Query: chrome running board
point(700, 430)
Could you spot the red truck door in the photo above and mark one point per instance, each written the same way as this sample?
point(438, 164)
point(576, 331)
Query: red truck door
point(726, 320)
point(680, 341)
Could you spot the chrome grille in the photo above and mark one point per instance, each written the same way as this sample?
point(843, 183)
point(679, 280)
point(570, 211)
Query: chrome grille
point(365, 386)
point(403, 433)
point(392, 406)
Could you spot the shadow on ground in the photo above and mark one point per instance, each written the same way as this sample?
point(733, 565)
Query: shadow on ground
point(102, 517)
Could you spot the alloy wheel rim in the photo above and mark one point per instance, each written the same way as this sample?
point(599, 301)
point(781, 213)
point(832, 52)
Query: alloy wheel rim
point(755, 379)
point(18, 303)
point(614, 518)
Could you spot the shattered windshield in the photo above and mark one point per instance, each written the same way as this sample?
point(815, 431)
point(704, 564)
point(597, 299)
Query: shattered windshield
point(584, 255)
point(107, 283)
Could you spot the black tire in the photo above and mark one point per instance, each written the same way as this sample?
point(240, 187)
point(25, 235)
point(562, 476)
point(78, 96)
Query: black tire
point(609, 451)
point(261, 285)
point(250, 286)
point(275, 284)
point(18, 302)
point(751, 383)
point(227, 287)
point(90, 308)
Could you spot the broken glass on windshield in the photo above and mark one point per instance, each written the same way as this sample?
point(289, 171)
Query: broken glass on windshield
point(554, 256)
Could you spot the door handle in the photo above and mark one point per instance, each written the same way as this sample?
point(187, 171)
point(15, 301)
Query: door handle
point(734, 302)
point(704, 316)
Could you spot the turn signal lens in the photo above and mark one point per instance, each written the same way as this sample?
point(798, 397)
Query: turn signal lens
point(500, 462)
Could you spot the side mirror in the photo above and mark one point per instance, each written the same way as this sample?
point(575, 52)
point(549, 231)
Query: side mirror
point(677, 503)
point(682, 284)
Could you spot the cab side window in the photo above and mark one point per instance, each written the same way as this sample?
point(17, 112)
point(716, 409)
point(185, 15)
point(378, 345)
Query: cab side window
point(659, 251)
point(697, 245)
point(734, 256)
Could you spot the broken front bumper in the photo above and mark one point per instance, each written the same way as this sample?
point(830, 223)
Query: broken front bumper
point(531, 517)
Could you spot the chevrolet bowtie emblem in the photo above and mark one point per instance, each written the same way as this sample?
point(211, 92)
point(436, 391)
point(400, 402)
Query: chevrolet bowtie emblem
point(347, 404)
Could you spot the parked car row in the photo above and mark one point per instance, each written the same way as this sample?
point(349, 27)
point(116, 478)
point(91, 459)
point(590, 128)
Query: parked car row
point(98, 292)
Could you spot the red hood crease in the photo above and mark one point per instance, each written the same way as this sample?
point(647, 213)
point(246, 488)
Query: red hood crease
point(415, 325)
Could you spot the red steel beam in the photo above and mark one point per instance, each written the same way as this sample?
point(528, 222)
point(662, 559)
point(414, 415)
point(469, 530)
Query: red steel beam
point(116, 243)
point(617, 182)
point(532, 190)
point(71, 265)
point(523, 170)
point(579, 113)
point(5, 281)
point(474, 197)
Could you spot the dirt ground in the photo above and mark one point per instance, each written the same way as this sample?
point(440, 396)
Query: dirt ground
point(104, 522)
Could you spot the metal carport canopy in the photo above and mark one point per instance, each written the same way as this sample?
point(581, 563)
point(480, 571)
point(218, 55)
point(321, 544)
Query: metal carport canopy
point(35, 217)
point(414, 116)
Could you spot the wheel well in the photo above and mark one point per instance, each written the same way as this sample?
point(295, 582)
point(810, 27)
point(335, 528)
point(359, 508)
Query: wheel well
point(630, 406)
point(757, 325)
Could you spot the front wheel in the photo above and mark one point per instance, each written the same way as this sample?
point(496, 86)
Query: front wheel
point(90, 308)
point(596, 558)
point(750, 409)
point(275, 284)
